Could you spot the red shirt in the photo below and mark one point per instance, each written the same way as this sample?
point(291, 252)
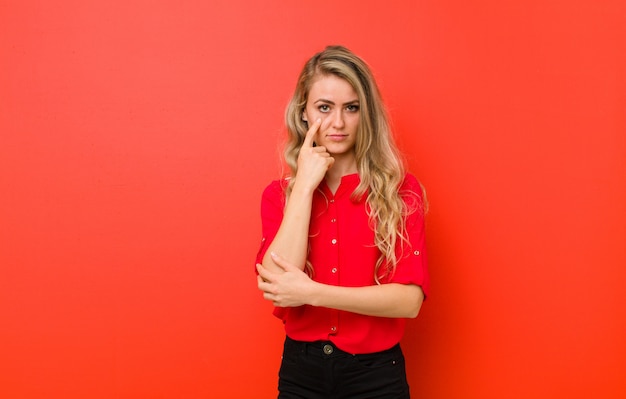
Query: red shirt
point(342, 252)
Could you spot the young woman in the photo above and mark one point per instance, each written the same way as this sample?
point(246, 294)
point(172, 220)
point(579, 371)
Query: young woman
point(343, 253)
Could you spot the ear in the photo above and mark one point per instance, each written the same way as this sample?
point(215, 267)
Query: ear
point(304, 117)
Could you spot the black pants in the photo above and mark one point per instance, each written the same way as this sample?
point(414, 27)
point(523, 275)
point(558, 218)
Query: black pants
point(311, 370)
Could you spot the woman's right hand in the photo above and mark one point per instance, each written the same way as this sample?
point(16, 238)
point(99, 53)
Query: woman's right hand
point(313, 161)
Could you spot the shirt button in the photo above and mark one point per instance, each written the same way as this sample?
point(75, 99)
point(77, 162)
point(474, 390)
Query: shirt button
point(332, 201)
point(416, 252)
point(333, 220)
point(333, 329)
point(334, 270)
point(334, 241)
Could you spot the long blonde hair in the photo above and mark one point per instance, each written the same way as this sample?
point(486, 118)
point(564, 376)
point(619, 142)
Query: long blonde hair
point(379, 164)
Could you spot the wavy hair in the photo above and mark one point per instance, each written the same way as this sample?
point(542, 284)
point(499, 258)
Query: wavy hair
point(379, 164)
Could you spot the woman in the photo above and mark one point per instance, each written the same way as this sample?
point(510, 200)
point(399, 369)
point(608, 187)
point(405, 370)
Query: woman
point(343, 253)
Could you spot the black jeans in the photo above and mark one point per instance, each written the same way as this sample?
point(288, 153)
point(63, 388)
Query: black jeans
point(311, 370)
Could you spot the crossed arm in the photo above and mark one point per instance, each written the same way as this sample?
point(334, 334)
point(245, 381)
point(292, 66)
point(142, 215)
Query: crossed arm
point(293, 287)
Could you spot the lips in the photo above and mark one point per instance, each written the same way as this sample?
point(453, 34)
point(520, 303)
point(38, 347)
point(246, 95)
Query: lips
point(337, 137)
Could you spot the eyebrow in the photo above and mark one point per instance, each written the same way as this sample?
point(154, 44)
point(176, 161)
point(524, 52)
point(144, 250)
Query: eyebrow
point(323, 100)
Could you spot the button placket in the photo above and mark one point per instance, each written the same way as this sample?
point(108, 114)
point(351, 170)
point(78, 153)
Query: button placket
point(333, 228)
point(333, 259)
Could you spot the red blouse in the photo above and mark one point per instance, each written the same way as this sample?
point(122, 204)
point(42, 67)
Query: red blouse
point(342, 252)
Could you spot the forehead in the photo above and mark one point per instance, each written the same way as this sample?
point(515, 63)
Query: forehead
point(331, 87)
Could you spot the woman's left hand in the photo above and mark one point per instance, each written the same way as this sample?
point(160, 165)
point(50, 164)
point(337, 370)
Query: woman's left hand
point(288, 289)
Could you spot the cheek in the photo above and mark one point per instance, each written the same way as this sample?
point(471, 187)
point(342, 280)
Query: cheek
point(354, 121)
point(314, 113)
point(311, 114)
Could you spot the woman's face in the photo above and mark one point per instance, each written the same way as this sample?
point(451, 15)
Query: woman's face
point(333, 99)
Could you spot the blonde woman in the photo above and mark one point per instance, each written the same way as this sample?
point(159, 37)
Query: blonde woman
point(343, 254)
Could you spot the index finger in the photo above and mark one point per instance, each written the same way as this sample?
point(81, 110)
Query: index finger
point(310, 134)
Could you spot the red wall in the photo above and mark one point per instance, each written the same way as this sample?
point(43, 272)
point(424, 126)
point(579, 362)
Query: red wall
point(136, 138)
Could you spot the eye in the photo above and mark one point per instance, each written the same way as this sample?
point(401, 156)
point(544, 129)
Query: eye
point(324, 108)
point(352, 108)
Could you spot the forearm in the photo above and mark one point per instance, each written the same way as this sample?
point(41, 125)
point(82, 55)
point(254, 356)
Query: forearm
point(292, 238)
point(385, 300)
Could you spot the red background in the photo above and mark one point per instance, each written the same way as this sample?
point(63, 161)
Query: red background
point(137, 136)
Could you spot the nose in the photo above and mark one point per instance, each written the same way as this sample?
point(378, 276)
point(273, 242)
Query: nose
point(337, 119)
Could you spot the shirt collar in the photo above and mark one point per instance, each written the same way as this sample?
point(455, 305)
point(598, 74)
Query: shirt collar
point(347, 186)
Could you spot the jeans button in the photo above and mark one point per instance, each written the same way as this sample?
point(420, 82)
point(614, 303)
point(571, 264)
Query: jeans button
point(328, 349)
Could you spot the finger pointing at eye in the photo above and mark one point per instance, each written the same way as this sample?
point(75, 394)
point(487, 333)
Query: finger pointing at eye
point(309, 139)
